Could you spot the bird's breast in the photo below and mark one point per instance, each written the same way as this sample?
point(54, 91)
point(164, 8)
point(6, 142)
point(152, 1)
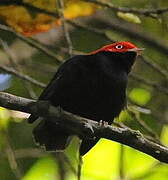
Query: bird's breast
point(97, 97)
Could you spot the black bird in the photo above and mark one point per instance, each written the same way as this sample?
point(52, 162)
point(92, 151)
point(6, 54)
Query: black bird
point(92, 86)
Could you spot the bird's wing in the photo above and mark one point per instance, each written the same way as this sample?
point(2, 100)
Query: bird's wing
point(65, 75)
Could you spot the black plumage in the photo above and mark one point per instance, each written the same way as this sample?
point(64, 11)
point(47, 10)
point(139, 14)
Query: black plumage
point(92, 86)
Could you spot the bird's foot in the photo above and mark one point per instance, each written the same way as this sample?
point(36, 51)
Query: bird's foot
point(89, 131)
point(103, 123)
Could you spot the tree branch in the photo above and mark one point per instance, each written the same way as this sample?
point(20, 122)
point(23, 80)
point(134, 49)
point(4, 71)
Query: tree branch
point(16, 66)
point(60, 4)
point(32, 43)
point(28, 6)
point(22, 76)
point(149, 83)
point(83, 127)
point(146, 12)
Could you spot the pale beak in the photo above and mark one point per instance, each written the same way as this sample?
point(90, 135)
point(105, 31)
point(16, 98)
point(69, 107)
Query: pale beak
point(137, 50)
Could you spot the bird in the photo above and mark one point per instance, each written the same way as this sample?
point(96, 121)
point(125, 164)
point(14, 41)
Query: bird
point(92, 86)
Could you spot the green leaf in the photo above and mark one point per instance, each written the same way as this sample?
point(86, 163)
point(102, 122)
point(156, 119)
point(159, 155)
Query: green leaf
point(44, 169)
point(4, 118)
point(140, 96)
point(129, 17)
point(164, 135)
point(124, 116)
point(136, 163)
point(101, 162)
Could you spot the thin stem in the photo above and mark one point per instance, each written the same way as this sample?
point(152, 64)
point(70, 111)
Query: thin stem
point(22, 76)
point(121, 162)
point(149, 83)
point(11, 158)
point(61, 166)
point(155, 66)
point(65, 27)
point(79, 167)
point(32, 43)
point(17, 68)
point(27, 6)
point(146, 12)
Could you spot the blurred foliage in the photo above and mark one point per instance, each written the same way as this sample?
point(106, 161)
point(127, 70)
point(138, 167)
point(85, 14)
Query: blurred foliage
point(43, 169)
point(129, 17)
point(28, 22)
point(147, 110)
point(140, 96)
point(4, 81)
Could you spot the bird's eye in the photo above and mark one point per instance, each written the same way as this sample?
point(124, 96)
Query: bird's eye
point(119, 47)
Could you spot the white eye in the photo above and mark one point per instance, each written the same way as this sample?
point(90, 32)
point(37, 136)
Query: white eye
point(119, 46)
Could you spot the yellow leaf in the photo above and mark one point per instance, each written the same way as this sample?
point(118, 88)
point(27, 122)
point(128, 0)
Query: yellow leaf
point(30, 22)
point(76, 8)
point(101, 160)
point(44, 169)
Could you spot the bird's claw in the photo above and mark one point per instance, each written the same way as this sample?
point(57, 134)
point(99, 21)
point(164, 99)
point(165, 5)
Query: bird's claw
point(103, 123)
point(89, 131)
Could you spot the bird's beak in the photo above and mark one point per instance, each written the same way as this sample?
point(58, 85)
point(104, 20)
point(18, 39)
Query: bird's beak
point(137, 50)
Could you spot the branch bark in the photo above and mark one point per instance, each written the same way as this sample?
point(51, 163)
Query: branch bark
point(83, 127)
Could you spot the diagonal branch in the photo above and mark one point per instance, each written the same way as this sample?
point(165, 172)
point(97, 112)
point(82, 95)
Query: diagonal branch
point(149, 83)
point(65, 26)
point(32, 43)
point(17, 67)
point(28, 6)
point(146, 12)
point(84, 127)
point(22, 76)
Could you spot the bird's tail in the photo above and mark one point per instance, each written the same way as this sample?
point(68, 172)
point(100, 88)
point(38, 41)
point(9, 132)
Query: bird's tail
point(86, 145)
point(51, 136)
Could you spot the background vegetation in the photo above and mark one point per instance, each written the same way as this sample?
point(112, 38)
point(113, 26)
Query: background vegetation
point(42, 38)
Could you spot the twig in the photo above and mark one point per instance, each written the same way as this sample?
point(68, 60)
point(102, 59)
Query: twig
point(138, 34)
point(127, 29)
point(146, 12)
point(80, 162)
point(136, 115)
point(28, 6)
point(149, 83)
point(121, 162)
point(91, 29)
point(67, 160)
point(29, 152)
point(17, 68)
point(22, 76)
point(155, 67)
point(32, 43)
point(61, 166)
point(85, 127)
point(64, 26)
point(11, 158)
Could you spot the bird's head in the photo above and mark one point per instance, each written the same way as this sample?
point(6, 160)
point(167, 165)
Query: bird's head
point(120, 47)
point(123, 53)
